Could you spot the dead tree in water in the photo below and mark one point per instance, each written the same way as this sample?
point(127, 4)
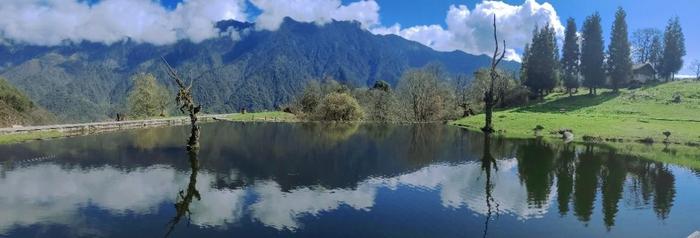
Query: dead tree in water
point(185, 101)
point(489, 100)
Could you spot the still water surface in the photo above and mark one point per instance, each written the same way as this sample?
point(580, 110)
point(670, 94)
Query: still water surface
point(321, 180)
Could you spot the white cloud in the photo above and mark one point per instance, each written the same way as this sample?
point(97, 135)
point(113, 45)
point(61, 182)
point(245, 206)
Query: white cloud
point(472, 31)
point(317, 11)
point(53, 22)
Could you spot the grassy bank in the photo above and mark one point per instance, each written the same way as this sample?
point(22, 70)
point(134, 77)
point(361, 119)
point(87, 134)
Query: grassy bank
point(263, 116)
point(630, 115)
point(16, 138)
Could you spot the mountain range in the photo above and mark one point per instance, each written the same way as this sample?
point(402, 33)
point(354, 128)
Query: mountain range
point(241, 68)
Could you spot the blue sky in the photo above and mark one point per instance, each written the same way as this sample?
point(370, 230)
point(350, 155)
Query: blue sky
point(640, 14)
point(444, 25)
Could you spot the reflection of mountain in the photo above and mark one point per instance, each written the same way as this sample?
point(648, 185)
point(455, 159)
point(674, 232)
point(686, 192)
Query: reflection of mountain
point(293, 176)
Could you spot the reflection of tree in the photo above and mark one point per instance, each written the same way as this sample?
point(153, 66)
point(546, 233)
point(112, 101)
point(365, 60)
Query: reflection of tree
point(652, 180)
point(424, 142)
point(565, 177)
point(185, 198)
point(148, 139)
point(664, 188)
point(585, 184)
point(613, 174)
point(488, 162)
point(535, 163)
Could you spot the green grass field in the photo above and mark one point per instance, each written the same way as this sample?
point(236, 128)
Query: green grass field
point(263, 116)
point(16, 138)
point(629, 115)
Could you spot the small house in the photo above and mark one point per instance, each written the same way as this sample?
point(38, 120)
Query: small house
point(643, 73)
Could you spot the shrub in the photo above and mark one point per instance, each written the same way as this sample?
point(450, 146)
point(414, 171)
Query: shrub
point(339, 107)
point(424, 96)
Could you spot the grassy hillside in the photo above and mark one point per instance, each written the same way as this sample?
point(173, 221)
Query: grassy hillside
point(629, 115)
point(17, 109)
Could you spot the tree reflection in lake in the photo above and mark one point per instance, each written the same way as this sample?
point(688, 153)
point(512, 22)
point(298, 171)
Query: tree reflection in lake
point(487, 163)
point(263, 179)
point(185, 198)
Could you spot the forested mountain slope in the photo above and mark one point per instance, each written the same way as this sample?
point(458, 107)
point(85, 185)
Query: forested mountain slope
point(250, 68)
point(17, 109)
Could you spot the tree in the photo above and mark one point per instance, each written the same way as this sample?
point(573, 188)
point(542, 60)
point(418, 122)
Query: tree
point(381, 85)
point(147, 98)
point(379, 102)
point(310, 98)
point(643, 44)
point(508, 91)
point(695, 67)
point(592, 56)
point(489, 94)
point(424, 96)
point(524, 63)
point(674, 49)
point(656, 51)
point(570, 57)
point(462, 85)
point(185, 102)
point(542, 62)
point(339, 107)
point(619, 61)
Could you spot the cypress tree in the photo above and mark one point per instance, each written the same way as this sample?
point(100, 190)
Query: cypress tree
point(619, 63)
point(656, 52)
point(524, 63)
point(674, 49)
point(570, 57)
point(542, 62)
point(592, 57)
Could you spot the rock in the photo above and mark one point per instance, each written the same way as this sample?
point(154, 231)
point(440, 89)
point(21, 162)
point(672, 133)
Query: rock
point(568, 136)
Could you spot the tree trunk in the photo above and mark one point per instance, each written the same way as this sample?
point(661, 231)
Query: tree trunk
point(488, 96)
point(488, 111)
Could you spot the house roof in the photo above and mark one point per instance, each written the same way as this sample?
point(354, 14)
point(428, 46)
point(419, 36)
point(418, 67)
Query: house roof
point(644, 68)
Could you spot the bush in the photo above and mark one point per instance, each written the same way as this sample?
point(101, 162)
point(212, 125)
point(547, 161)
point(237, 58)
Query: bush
point(339, 107)
point(378, 105)
point(425, 96)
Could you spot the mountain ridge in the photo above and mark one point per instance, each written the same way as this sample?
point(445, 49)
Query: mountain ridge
point(242, 68)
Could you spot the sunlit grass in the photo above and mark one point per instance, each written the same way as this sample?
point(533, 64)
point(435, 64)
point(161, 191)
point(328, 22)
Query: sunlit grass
point(263, 116)
point(629, 115)
point(17, 138)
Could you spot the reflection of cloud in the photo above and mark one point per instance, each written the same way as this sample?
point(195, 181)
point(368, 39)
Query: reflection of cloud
point(279, 209)
point(50, 194)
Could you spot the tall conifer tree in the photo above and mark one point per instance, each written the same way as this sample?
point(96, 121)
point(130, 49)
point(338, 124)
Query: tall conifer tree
point(619, 61)
point(592, 57)
point(570, 57)
point(674, 49)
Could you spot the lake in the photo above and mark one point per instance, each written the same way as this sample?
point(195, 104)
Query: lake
point(337, 180)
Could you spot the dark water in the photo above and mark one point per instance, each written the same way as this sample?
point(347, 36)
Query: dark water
point(316, 180)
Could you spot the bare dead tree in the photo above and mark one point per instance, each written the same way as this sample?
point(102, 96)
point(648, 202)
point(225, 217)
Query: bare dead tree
point(185, 101)
point(489, 100)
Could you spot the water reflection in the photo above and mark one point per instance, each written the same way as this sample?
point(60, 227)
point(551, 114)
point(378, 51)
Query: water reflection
point(185, 198)
point(488, 162)
point(258, 178)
